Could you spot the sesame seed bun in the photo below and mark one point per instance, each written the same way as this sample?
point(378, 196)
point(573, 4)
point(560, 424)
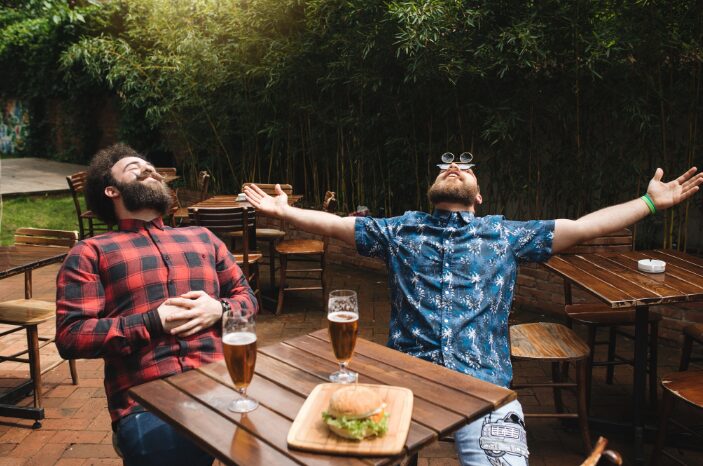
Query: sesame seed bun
point(354, 402)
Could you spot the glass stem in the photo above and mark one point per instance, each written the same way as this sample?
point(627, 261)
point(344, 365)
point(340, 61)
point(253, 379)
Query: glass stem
point(343, 367)
point(243, 392)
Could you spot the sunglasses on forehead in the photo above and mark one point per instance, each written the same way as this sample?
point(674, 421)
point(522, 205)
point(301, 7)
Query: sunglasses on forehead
point(464, 162)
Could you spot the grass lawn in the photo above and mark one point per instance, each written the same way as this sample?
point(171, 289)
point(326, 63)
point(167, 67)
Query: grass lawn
point(42, 211)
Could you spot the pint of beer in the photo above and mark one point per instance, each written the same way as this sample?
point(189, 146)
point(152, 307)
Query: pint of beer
point(343, 328)
point(240, 356)
point(343, 325)
point(239, 346)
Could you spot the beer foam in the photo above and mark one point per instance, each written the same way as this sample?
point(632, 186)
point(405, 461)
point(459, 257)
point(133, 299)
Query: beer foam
point(343, 316)
point(239, 338)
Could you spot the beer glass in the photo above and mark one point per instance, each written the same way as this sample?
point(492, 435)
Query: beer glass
point(343, 321)
point(239, 345)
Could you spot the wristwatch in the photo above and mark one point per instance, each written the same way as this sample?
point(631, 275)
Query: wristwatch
point(226, 306)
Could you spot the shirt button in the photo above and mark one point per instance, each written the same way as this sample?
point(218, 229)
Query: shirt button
point(446, 264)
point(446, 321)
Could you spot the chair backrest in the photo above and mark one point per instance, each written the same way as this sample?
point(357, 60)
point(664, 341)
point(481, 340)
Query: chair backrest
point(601, 457)
point(43, 237)
point(76, 184)
point(330, 202)
point(618, 241)
point(166, 171)
point(203, 184)
point(226, 221)
point(270, 189)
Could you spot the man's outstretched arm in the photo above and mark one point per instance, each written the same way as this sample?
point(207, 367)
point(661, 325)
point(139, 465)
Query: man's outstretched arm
point(604, 221)
point(312, 221)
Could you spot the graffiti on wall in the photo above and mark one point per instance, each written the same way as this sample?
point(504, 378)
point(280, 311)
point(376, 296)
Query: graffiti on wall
point(14, 126)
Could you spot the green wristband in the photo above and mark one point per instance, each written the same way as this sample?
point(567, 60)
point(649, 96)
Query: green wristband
point(648, 200)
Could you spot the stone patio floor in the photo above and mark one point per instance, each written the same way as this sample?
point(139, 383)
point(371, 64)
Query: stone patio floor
point(76, 430)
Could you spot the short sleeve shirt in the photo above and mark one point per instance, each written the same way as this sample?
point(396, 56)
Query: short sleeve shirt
point(451, 278)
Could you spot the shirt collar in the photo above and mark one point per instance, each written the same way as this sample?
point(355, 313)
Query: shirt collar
point(445, 215)
point(133, 224)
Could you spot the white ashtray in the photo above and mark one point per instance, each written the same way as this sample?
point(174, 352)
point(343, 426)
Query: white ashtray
point(651, 265)
point(241, 197)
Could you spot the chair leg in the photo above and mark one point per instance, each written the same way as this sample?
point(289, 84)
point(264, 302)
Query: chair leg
point(556, 378)
point(74, 371)
point(582, 406)
point(592, 332)
point(666, 407)
point(653, 341)
point(272, 266)
point(34, 363)
point(323, 279)
point(612, 341)
point(281, 282)
point(686, 353)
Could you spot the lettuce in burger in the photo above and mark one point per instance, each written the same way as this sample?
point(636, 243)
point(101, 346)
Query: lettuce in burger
point(356, 412)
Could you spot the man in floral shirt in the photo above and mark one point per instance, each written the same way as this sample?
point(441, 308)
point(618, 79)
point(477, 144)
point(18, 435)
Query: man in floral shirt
point(146, 298)
point(452, 276)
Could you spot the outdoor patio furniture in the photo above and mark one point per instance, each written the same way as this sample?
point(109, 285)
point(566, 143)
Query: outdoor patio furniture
point(556, 344)
point(195, 402)
point(226, 223)
point(170, 174)
point(88, 223)
point(33, 248)
point(615, 279)
point(596, 315)
point(683, 385)
point(185, 198)
point(303, 251)
point(272, 235)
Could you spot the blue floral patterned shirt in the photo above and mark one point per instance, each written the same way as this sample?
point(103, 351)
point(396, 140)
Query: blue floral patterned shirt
point(451, 277)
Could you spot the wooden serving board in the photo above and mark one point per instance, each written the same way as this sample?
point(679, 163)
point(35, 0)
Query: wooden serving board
point(310, 433)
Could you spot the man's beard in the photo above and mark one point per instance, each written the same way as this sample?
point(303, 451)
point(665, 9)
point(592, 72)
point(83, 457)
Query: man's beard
point(460, 193)
point(137, 196)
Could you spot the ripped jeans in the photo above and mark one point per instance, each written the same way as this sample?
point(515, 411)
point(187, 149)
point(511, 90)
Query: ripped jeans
point(497, 439)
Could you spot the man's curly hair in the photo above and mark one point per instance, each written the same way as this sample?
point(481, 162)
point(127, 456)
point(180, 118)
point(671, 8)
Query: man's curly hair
point(99, 177)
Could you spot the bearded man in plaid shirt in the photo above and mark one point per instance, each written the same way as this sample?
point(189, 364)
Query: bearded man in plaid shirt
point(146, 298)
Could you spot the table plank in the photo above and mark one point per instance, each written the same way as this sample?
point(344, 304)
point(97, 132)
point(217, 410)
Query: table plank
point(288, 403)
point(596, 286)
point(425, 411)
point(262, 422)
point(209, 429)
point(493, 394)
point(677, 288)
point(454, 400)
point(15, 260)
point(686, 271)
point(696, 261)
point(642, 287)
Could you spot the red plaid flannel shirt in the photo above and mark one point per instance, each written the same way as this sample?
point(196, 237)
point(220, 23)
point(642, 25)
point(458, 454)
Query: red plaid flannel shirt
point(108, 292)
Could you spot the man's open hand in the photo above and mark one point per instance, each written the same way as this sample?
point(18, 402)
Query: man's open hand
point(272, 206)
point(665, 195)
point(189, 313)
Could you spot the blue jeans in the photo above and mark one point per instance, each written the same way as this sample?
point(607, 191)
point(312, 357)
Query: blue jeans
point(146, 440)
point(497, 439)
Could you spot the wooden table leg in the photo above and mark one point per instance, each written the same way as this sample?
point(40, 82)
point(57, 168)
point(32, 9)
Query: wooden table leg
point(639, 380)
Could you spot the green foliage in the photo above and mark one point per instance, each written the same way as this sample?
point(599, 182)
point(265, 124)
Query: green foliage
point(53, 212)
point(567, 105)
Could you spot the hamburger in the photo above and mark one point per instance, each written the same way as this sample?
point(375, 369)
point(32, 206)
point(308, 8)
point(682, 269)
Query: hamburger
point(356, 412)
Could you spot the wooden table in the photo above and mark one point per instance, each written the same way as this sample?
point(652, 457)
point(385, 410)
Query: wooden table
point(230, 200)
point(15, 260)
point(614, 279)
point(286, 373)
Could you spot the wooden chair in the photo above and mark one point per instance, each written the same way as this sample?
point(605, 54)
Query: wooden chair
point(684, 385)
point(303, 249)
point(185, 198)
point(271, 236)
point(227, 223)
point(601, 457)
point(596, 316)
point(27, 314)
point(88, 223)
point(170, 173)
point(554, 343)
